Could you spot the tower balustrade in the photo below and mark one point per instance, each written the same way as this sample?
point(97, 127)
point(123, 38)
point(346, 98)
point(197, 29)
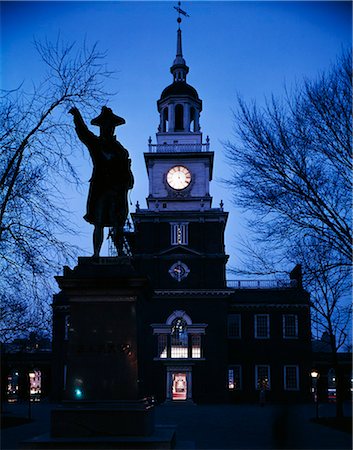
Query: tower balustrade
point(178, 148)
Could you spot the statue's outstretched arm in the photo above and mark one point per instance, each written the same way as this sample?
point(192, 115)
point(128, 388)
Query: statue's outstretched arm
point(83, 133)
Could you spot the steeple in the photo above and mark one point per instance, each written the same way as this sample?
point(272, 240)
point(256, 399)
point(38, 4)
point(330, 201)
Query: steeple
point(179, 106)
point(179, 68)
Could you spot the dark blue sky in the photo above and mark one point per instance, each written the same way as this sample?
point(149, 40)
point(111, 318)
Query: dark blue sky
point(250, 48)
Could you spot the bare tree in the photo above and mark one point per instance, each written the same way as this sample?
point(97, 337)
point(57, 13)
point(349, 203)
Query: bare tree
point(292, 171)
point(37, 142)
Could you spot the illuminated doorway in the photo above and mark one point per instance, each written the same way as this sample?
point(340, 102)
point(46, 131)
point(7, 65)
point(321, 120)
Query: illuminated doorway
point(179, 383)
point(35, 385)
point(179, 386)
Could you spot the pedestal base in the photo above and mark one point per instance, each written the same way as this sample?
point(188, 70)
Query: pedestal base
point(161, 438)
point(132, 418)
point(118, 425)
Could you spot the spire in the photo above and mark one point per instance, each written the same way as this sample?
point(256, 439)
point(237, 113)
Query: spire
point(179, 52)
point(179, 68)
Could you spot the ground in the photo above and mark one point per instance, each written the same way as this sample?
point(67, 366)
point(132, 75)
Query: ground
point(212, 426)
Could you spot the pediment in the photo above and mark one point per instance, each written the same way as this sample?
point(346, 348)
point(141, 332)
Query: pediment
point(179, 250)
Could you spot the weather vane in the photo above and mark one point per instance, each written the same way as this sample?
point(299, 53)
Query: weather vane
point(180, 11)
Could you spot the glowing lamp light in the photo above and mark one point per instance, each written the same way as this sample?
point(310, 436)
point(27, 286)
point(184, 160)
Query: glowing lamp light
point(314, 374)
point(78, 393)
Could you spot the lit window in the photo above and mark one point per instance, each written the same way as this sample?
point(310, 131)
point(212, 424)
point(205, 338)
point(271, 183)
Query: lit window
point(331, 385)
point(35, 384)
point(262, 326)
point(179, 233)
point(234, 378)
point(179, 339)
point(290, 326)
point(162, 345)
point(234, 326)
point(262, 377)
point(291, 378)
point(12, 386)
point(195, 346)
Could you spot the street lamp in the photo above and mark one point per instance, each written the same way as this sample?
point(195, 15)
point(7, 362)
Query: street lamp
point(315, 376)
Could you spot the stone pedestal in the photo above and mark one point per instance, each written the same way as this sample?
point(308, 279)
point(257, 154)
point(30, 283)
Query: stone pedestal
point(102, 406)
point(134, 418)
point(102, 338)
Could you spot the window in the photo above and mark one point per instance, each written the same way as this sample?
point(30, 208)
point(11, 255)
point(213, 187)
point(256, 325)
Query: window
point(195, 346)
point(262, 377)
point(162, 345)
point(331, 385)
point(234, 378)
point(291, 378)
point(179, 339)
point(234, 326)
point(179, 233)
point(262, 326)
point(12, 386)
point(35, 384)
point(290, 326)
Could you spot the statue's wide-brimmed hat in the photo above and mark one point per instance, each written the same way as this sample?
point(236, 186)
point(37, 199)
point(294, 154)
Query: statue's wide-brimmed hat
point(107, 117)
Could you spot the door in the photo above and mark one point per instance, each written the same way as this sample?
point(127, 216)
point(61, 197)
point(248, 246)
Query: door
point(179, 386)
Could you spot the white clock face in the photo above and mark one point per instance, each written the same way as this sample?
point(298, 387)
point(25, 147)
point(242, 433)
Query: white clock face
point(178, 177)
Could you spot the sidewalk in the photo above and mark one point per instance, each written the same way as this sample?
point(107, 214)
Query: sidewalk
point(216, 426)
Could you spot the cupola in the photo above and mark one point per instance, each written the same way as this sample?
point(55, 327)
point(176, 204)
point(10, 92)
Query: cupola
point(179, 106)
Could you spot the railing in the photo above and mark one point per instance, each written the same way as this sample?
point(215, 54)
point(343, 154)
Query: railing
point(178, 148)
point(261, 284)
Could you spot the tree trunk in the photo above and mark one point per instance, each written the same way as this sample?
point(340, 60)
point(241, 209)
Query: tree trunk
point(338, 378)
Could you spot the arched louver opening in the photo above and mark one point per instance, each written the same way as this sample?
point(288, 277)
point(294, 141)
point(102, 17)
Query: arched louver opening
point(179, 118)
point(164, 120)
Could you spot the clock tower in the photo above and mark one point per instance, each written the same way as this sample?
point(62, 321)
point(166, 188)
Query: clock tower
point(179, 238)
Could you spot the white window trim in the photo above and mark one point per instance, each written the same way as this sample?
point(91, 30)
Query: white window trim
point(257, 377)
point(228, 335)
point(268, 326)
point(230, 367)
point(285, 377)
point(284, 326)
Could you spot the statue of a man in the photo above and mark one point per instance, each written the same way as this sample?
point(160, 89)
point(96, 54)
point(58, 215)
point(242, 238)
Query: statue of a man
point(107, 204)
